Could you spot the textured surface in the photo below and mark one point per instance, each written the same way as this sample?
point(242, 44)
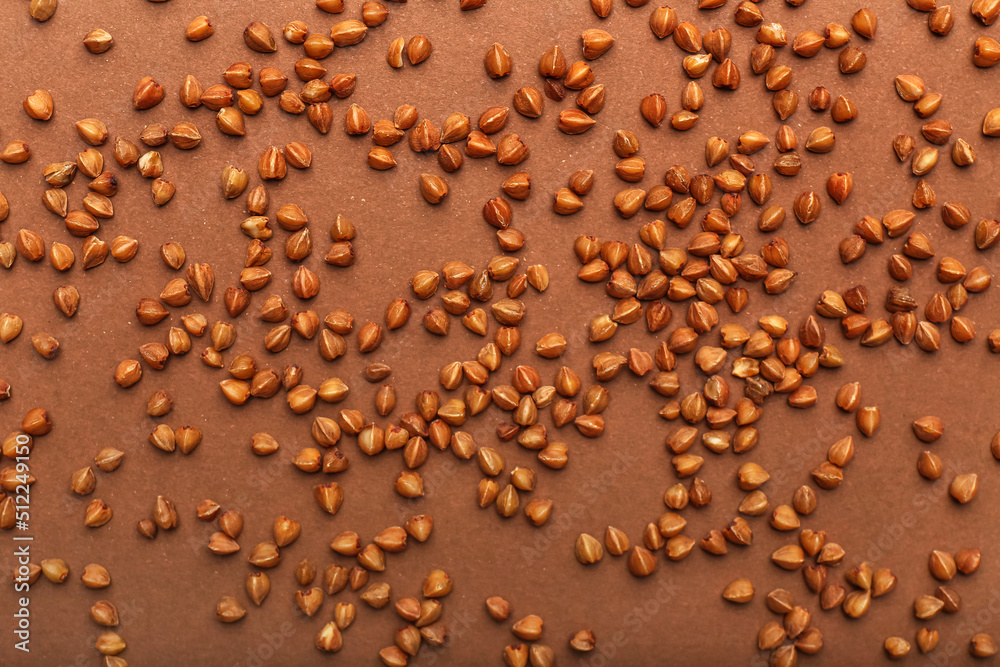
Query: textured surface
point(166, 589)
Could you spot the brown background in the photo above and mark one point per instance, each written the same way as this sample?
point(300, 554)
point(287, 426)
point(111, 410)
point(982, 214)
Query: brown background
point(167, 589)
